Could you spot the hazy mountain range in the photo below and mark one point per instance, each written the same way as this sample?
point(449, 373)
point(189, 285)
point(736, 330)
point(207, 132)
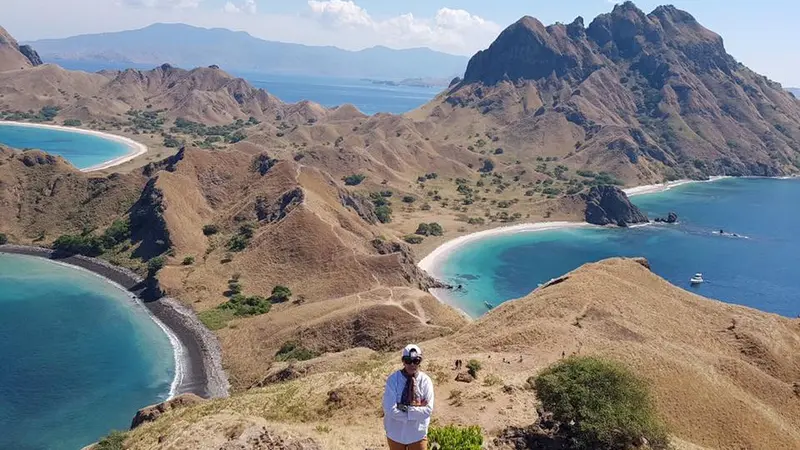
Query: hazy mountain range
point(795, 91)
point(188, 46)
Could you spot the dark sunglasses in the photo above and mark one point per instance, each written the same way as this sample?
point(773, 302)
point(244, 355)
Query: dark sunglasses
point(409, 360)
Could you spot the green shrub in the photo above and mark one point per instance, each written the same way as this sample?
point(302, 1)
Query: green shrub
point(409, 199)
point(74, 244)
point(293, 351)
point(210, 229)
point(384, 213)
point(237, 136)
point(354, 180)
point(280, 294)
point(72, 123)
point(413, 239)
point(487, 167)
point(241, 240)
point(188, 261)
point(429, 229)
point(117, 233)
point(611, 408)
point(473, 366)
point(113, 441)
point(171, 141)
point(155, 264)
point(48, 113)
point(452, 437)
point(245, 306)
point(3, 239)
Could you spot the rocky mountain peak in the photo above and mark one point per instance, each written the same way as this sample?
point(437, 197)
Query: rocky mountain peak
point(529, 50)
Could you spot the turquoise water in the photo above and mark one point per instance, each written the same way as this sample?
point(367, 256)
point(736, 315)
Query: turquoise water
point(81, 150)
point(79, 356)
point(759, 269)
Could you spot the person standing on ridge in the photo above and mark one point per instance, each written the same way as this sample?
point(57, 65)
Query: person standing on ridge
point(408, 404)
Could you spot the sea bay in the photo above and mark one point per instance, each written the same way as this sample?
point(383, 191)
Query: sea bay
point(759, 267)
point(80, 356)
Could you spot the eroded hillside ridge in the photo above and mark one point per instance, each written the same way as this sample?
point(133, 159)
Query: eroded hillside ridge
point(652, 93)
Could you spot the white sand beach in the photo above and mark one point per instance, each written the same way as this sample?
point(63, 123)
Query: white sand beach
point(136, 148)
point(434, 260)
point(655, 188)
point(431, 262)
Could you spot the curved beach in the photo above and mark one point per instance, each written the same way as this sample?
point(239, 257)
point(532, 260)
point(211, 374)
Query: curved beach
point(136, 149)
point(433, 260)
point(198, 357)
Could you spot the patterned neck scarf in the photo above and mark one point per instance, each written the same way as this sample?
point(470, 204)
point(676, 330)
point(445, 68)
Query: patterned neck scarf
point(409, 396)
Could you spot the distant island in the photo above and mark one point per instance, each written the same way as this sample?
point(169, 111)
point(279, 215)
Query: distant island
point(413, 82)
point(188, 46)
point(794, 91)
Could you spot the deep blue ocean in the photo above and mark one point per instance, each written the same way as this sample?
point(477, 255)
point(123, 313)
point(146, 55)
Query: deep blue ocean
point(79, 356)
point(760, 268)
point(82, 150)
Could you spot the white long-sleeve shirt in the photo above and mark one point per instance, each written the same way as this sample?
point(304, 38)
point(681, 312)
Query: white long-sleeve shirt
point(411, 426)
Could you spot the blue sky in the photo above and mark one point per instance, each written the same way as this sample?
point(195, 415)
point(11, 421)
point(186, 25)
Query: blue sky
point(764, 35)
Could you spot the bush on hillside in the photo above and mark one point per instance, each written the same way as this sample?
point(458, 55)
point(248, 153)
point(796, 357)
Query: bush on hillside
point(293, 351)
point(245, 306)
point(241, 240)
point(473, 366)
point(280, 294)
point(413, 239)
point(3, 239)
point(429, 229)
point(452, 437)
point(188, 261)
point(117, 233)
point(210, 229)
point(610, 407)
point(75, 244)
point(72, 123)
point(155, 264)
point(384, 213)
point(354, 180)
point(113, 441)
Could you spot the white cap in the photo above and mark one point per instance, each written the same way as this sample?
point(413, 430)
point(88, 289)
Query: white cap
point(412, 350)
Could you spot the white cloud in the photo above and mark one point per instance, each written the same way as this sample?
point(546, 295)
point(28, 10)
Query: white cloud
point(340, 13)
point(249, 6)
point(454, 30)
point(231, 8)
point(176, 4)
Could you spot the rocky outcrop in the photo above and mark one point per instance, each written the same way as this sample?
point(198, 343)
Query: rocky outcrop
point(607, 205)
point(671, 218)
point(277, 210)
point(361, 205)
point(31, 54)
point(148, 226)
point(151, 413)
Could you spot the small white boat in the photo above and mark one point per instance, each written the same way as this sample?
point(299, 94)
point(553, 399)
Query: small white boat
point(697, 278)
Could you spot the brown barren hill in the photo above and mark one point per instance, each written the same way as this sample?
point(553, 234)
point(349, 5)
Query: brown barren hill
point(722, 375)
